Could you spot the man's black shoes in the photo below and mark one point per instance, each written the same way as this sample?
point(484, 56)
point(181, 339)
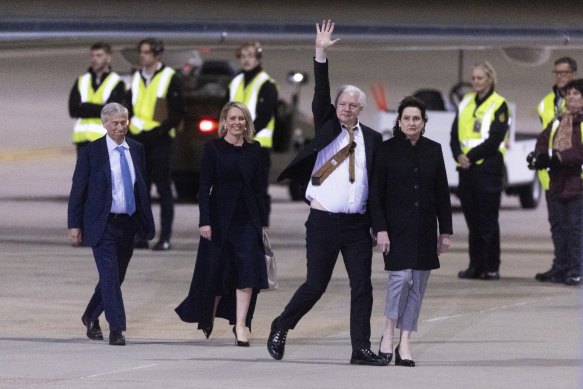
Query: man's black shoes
point(490, 276)
point(141, 244)
point(93, 329)
point(162, 245)
point(365, 356)
point(116, 338)
point(276, 348)
point(573, 280)
point(474, 274)
point(276, 341)
point(553, 275)
point(469, 274)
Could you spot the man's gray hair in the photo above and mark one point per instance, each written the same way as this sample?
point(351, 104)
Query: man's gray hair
point(351, 89)
point(112, 109)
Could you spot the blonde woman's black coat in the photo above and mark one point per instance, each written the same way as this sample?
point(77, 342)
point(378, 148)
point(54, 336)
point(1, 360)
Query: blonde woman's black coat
point(224, 178)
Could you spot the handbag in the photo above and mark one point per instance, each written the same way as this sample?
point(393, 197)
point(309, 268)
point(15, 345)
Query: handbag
point(270, 263)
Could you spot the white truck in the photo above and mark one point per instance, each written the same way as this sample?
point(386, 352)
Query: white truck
point(518, 179)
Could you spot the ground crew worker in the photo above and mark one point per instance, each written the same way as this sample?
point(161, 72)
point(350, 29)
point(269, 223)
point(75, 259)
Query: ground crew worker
point(156, 108)
point(552, 105)
point(259, 92)
point(549, 110)
point(91, 92)
point(477, 144)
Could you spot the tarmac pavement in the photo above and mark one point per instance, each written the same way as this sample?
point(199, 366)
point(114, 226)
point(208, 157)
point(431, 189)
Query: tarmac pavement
point(511, 333)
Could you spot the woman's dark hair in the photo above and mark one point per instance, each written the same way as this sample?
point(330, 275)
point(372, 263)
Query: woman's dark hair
point(409, 101)
point(575, 84)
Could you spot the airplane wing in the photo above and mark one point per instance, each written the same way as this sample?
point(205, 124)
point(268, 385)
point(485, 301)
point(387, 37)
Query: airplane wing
point(526, 45)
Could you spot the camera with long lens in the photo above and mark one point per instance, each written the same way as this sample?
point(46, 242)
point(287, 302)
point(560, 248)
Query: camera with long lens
point(530, 160)
point(541, 161)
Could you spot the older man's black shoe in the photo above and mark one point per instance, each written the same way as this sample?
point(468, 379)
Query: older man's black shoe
point(365, 356)
point(116, 338)
point(93, 329)
point(276, 341)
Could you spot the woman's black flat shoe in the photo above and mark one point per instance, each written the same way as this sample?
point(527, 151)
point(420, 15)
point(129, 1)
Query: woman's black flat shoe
point(403, 362)
point(238, 342)
point(387, 356)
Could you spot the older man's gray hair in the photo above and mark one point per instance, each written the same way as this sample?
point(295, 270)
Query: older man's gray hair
point(111, 109)
point(351, 89)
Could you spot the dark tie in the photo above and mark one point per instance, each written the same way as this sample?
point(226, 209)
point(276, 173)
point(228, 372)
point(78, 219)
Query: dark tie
point(126, 177)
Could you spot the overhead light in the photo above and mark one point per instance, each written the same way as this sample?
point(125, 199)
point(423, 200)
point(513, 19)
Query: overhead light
point(527, 56)
point(297, 78)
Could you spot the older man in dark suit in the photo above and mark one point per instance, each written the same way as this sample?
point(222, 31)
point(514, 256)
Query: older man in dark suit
point(339, 162)
point(108, 204)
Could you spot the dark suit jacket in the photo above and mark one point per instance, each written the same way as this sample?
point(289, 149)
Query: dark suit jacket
point(90, 199)
point(327, 127)
point(411, 195)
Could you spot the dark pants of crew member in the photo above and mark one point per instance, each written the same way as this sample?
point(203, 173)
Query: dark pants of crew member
point(480, 196)
point(264, 171)
point(112, 256)
point(158, 152)
point(327, 235)
point(566, 219)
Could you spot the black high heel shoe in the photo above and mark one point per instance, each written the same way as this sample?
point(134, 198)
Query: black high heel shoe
point(387, 356)
point(238, 342)
point(207, 331)
point(402, 362)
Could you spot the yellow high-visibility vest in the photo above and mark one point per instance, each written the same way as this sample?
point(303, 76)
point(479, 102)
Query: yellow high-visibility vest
point(469, 115)
point(543, 175)
point(145, 98)
point(548, 111)
point(248, 96)
point(90, 129)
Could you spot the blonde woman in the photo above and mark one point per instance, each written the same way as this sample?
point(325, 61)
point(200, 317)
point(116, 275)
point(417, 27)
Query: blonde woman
point(230, 266)
point(477, 144)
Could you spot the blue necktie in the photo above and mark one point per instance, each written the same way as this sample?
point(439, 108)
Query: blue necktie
point(126, 177)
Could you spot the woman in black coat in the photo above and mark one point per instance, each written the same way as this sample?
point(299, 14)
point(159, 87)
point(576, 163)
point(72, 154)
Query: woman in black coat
point(230, 265)
point(411, 196)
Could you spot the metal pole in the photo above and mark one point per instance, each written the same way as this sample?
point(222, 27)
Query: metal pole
point(460, 66)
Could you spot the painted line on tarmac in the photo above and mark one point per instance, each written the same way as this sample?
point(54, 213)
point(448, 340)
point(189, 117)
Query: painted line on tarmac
point(31, 154)
point(485, 310)
point(117, 371)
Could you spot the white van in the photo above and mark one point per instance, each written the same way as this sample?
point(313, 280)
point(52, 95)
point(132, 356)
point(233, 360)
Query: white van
point(518, 179)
